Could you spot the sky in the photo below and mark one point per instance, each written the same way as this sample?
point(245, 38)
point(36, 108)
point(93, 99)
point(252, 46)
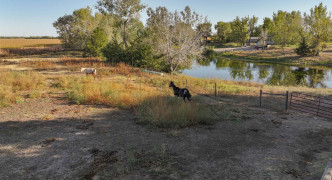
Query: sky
point(35, 17)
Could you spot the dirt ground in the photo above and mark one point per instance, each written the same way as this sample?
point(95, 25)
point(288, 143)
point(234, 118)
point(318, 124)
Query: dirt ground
point(50, 138)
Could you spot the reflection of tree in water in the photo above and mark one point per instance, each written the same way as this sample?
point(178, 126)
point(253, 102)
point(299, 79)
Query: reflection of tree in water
point(263, 71)
point(204, 61)
point(285, 75)
point(316, 78)
point(300, 76)
point(281, 75)
point(239, 69)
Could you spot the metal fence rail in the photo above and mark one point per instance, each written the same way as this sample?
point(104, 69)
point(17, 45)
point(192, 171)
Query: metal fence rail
point(286, 96)
point(315, 105)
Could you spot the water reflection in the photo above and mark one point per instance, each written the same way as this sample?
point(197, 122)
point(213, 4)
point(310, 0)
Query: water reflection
point(272, 74)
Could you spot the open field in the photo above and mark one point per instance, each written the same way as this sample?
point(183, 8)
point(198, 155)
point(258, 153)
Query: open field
point(274, 54)
point(18, 43)
point(56, 123)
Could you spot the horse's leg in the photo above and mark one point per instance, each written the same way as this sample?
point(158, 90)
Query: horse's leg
point(184, 98)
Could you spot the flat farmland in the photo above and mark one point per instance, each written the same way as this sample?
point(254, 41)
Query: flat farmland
point(18, 43)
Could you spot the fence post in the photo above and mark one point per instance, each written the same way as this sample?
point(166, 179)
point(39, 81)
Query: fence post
point(260, 98)
point(318, 106)
point(215, 89)
point(286, 100)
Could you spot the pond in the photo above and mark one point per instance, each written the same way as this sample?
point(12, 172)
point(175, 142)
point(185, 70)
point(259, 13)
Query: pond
point(267, 73)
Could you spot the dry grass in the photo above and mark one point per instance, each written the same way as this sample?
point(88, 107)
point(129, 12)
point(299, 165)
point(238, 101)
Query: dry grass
point(75, 64)
point(25, 51)
point(38, 64)
point(170, 112)
point(197, 85)
point(18, 43)
point(86, 90)
point(14, 83)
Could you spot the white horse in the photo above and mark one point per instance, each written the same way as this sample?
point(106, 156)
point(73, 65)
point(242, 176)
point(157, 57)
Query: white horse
point(88, 71)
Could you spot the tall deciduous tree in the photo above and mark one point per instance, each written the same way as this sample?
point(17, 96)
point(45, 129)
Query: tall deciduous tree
point(125, 11)
point(224, 31)
point(175, 35)
point(320, 26)
point(286, 28)
point(206, 29)
point(240, 30)
point(74, 29)
point(252, 25)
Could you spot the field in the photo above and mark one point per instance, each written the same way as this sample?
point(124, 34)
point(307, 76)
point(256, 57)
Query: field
point(56, 123)
point(19, 43)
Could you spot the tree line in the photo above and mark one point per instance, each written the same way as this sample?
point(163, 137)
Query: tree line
point(171, 39)
point(311, 31)
point(168, 42)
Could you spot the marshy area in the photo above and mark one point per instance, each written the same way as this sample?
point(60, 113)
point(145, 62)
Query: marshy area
point(57, 123)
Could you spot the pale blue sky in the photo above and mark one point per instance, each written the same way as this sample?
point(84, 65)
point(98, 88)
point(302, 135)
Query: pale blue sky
point(35, 17)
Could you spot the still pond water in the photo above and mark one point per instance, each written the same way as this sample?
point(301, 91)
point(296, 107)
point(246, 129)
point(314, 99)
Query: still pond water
point(273, 74)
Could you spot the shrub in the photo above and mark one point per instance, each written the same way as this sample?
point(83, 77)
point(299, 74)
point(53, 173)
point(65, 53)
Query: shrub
point(114, 52)
point(303, 49)
point(170, 112)
point(138, 54)
point(141, 55)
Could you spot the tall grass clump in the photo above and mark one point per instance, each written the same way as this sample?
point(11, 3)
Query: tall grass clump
point(86, 90)
point(6, 96)
point(170, 112)
point(22, 81)
point(12, 84)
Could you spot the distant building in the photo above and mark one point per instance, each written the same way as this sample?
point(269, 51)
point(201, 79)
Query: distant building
point(255, 40)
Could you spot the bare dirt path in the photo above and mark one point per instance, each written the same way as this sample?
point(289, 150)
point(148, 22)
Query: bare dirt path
point(52, 139)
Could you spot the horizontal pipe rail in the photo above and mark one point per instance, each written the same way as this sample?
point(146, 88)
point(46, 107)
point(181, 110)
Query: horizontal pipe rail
point(275, 94)
point(315, 105)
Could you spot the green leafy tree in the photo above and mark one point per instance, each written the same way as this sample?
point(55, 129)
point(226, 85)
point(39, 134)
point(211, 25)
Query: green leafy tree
point(286, 27)
point(206, 29)
point(224, 31)
point(252, 26)
point(240, 30)
point(126, 13)
point(96, 42)
point(267, 24)
point(320, 26)
point(74, 30)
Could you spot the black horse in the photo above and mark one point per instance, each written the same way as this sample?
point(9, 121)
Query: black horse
point(180, 92)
